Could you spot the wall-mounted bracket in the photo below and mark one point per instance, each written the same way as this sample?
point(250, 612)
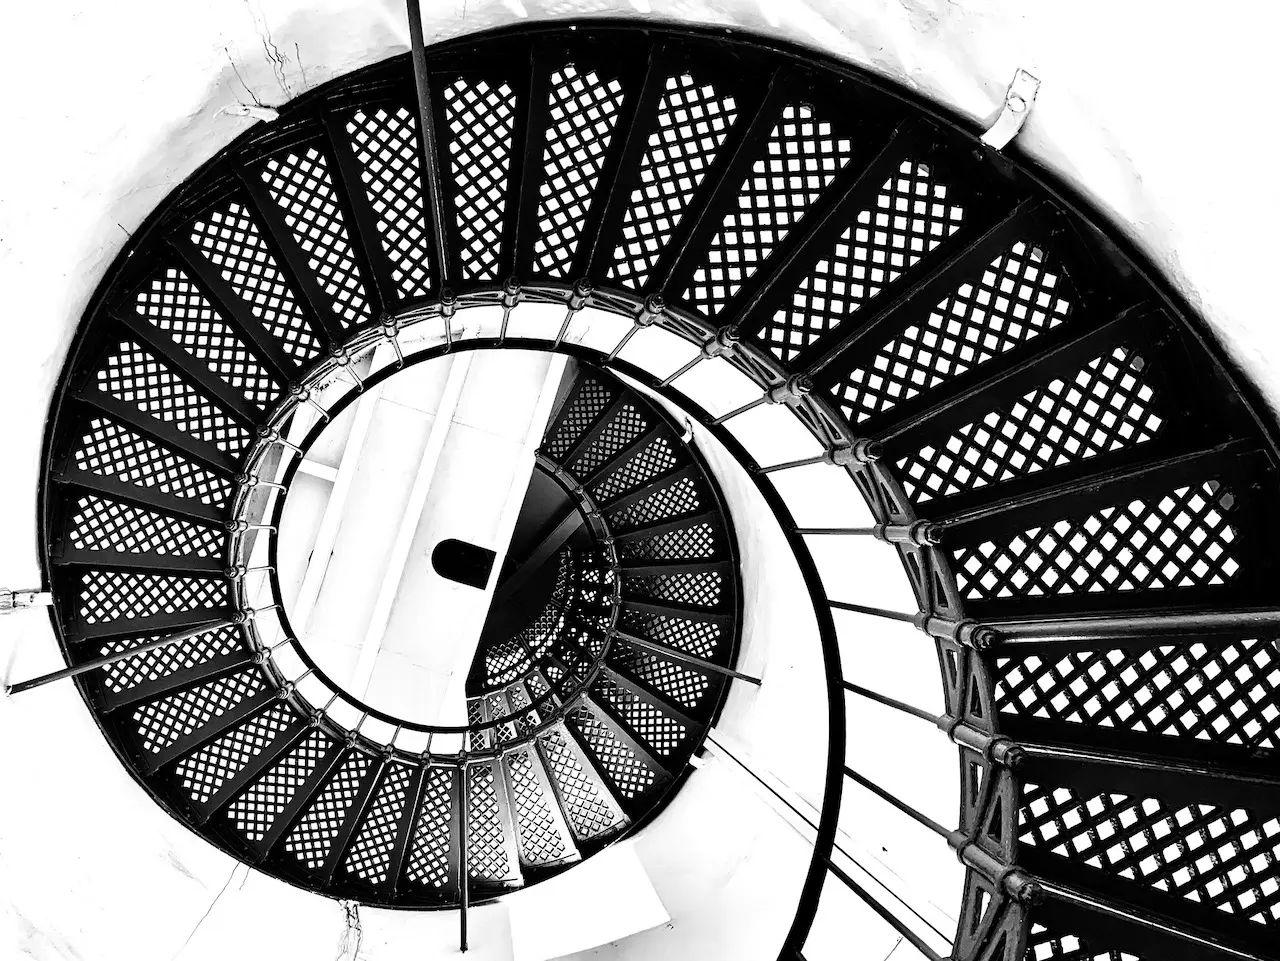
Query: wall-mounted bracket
point(1018, 101)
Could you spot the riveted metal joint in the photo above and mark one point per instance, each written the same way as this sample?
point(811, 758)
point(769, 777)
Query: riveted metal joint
point(859, 452)
point(791, 391)
point(918, 534)
point(581, 294)
point(21, 600)
point(652, 311)
point(724, 342)
point(448, 303)
point(510, 292)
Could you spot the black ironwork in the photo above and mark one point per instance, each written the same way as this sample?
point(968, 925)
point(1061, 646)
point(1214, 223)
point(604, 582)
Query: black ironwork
point(1081, 488)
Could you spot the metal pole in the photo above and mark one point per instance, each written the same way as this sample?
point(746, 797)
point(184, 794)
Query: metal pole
point(915, 939)
point(676, 655)
point(954, 837)
point(427, 126)
point(892, 702)
point(106, 659)
point(873, 611)
point(463, 870)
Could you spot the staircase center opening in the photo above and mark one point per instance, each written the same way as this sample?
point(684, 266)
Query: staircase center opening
point(443, 452)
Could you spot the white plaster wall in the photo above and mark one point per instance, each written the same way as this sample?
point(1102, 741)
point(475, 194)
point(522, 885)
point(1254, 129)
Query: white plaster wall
point(1158, 112)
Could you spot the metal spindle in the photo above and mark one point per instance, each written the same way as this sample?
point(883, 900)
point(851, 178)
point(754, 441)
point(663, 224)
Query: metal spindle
point(108, 659)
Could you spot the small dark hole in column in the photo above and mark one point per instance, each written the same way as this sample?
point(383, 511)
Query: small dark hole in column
point(465, 563)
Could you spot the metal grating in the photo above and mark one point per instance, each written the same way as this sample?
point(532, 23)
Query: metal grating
point(174, 305)
point(1223, 692)
point(487, 857)
point(656, 729)
point(698, 541)
point(385, 143)
point(911, 217)
point(1227, 859)
point(133, 375)
point(230, 239)
point(1182, 539)
point(589, 815)
point(370, 855)
point(626, 771)
point(109, 450)
point(681, 497)
point(694, 589)
point(310, 840)
point(103, 525)
point(481, 121)
point(583, 111)
point(1044, 945)
point(800, 158)
point(300, 183)
point(203, 773)
point(623, 428)
point(654, 459)
point(254, 813)
point(120, 595)
point(1016, 299)
point(699, 638)
point(161, 662)
point(431, 848)
point(1105, 406)
point(540, 839)
point(589, 401)
point(684, 685)
point(691, 125)
point(165, 721)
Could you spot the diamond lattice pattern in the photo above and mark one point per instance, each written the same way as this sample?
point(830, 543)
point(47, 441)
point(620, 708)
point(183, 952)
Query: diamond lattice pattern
point(175, 306)
point(583, 112)
point(1226, 692)
point(1103, 407)
point(109, 450)
point(802, 156)
point(481, 121)
point(133, 375)
point(1018, 297)
point(300, 183)
point(693, 121)
point(1228, 859)
point(385, 142)
point(232, 242)
point(912, 215)
point(1181, 540)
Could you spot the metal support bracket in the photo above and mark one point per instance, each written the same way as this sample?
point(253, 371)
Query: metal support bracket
point(1018, 101)
point(11, 601)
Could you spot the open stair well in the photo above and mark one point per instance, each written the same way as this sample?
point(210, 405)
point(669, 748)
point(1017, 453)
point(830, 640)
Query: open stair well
point(1081, 489)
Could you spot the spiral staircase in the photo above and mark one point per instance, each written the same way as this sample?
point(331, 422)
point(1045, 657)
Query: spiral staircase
point(1080, 489)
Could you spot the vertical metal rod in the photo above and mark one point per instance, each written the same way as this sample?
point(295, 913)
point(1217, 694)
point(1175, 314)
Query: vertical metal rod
point(750, 405)
point(902, 806)
point(107, 659)
point(427, 126)
point(626, 339)
point(916, 941)
point(681, 656)
point(564, 327)
point(684, 370)
point(463, 870)
point(861, 531)
point(892, 702)
point(873, 611)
